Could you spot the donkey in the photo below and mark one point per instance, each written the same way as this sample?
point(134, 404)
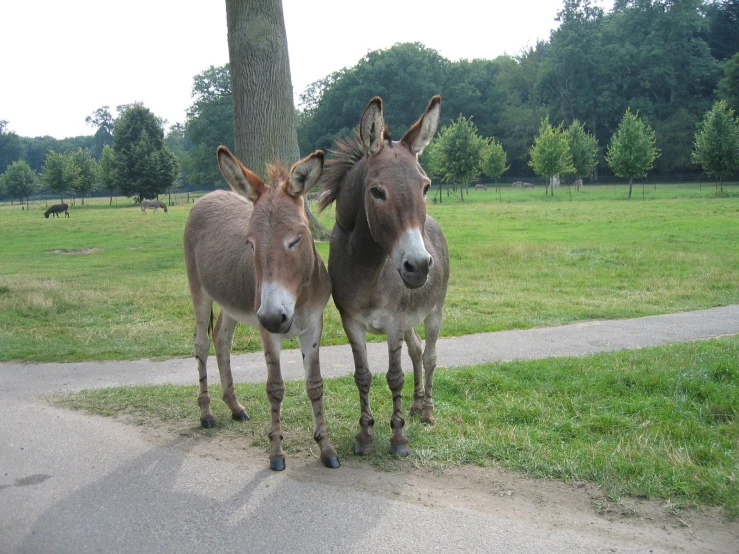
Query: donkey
point(251, 251)
point(56, 209)
point(389, 262)
point(156, 204)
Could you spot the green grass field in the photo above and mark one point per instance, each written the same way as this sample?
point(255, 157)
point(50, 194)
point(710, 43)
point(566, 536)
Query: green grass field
point(657, 423)
point(519, 260)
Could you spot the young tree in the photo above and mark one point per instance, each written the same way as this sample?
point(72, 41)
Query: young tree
point(632, 150)
point(144, 166)
point(550, 154)
point(19, 181)
point(460, 149)
point(88, 174)
point(494, 159)
point(717, 143)
point(60, 174)
point(264, 115)
point(583, 148)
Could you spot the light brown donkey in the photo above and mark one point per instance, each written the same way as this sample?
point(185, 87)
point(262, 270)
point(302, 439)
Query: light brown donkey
point(251, 251)
point(389, 262)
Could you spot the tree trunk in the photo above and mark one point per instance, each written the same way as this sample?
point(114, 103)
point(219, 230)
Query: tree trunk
point(264, 115)
point(630, 182)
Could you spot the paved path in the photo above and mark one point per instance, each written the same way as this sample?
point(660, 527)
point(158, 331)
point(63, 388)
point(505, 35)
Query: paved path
point(72, 482)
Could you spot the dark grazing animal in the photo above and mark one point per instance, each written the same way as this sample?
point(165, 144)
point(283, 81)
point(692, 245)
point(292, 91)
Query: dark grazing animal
point(389, 262)
point(251, 252)
point(56, 209)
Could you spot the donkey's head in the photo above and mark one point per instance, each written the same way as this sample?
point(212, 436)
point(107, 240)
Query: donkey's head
point(395, 189)
point(278, 233)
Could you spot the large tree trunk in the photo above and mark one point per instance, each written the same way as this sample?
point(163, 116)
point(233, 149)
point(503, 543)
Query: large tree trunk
point(264, 115)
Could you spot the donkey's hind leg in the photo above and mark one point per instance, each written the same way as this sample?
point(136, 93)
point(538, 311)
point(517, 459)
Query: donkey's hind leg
point(223, 339)
point(432, 325)
point(415, 350)
point(203, 313)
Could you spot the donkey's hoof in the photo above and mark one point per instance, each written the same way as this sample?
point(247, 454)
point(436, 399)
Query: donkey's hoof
point(363, 448)
point(208, 422)
point(331, 462)
point(416, 410)
point(428, 420)
point(241, 416)
point(277, 464)
point(399, 450)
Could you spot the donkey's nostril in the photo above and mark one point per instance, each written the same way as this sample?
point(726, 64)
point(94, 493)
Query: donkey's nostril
point(284, 317)
point(431, 262)
point(408, 266)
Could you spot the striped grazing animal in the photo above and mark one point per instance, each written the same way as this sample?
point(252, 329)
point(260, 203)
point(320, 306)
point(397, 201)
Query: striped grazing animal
point(56, 209)
point(389, 262)
point(156, 204)
point(251, 252)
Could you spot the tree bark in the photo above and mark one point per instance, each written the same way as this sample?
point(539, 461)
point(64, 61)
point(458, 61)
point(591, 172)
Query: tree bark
point(265, 130)
point(631, 180)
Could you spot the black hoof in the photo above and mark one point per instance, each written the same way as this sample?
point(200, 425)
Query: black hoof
point(332, 462)
point(363, 448)
point(241, 416)
point(208, 422)
point(399, 450)
point(277, 464)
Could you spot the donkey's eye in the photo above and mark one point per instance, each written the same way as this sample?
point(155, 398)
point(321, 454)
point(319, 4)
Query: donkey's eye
point(426, 189)
point(293, 243)
point(378, 194)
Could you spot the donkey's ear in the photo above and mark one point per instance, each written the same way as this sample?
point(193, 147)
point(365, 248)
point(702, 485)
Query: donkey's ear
point(422, 131)
point(372, 127)
point(305, 174)
point(240, 179)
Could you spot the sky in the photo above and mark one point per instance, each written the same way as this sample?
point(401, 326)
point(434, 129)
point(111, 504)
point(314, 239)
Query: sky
point(62, 60)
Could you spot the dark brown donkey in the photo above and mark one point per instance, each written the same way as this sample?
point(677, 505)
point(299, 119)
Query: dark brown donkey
point(389, 262)
point(251, 252)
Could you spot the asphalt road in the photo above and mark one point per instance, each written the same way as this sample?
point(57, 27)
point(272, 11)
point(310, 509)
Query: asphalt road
point(73, 482)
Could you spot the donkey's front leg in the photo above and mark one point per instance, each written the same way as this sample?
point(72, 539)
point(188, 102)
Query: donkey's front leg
point(432, 324)
point(395, 380)
point(415, 350)
point(310, 343)
point(364, 440)
point(275, 393)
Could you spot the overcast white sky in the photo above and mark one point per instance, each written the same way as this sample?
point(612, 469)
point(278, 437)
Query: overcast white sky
point(61, 60)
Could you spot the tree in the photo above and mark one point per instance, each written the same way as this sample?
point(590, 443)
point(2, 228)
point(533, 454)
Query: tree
point(717, 143)
point(88, 174)
point(728, 87)
point(494, 159)
point(144, 166)
point(632, 150)
point(11, 146)
point(105, 123)
point(264, 115)
point(459, 148)
point(583, 149)
point(550, 154)
point(19, 181)
point(60, 174)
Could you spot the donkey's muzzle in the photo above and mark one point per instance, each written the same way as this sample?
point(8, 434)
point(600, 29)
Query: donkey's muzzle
point(414, 270)
point(277, 322)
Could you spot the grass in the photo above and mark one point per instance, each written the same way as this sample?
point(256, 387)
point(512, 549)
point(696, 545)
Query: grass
point(658, 423)
point(519, 260)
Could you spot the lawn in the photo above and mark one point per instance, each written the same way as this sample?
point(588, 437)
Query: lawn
point(518, 260)
point(657, 423)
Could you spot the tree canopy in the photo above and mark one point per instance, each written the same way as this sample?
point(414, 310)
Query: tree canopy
point(717, 142)
point(632, 150)
point(550, 154)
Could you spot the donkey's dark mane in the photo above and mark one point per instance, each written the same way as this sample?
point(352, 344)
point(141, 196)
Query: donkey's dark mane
point(344, 155)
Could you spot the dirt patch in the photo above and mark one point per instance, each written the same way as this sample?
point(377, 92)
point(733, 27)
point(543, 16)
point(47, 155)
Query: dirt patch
point(76, 251)
point(578, 507)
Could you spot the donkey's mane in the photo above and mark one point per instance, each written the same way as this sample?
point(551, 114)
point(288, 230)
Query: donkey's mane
point(277, 173)
point(344, 155)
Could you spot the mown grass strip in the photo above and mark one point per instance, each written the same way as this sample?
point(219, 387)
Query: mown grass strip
point(659, 423)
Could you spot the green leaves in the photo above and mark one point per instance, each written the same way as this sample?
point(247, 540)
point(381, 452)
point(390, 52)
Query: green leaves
point(19, 180)
point(717, 142)
point(632, 150)
point(550, 154)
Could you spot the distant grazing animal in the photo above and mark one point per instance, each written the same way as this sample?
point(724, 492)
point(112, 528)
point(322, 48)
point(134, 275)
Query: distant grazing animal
point(480, 186)
point(156, 204)
point(56, 209)
point(251, 252)
point(389, 262)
